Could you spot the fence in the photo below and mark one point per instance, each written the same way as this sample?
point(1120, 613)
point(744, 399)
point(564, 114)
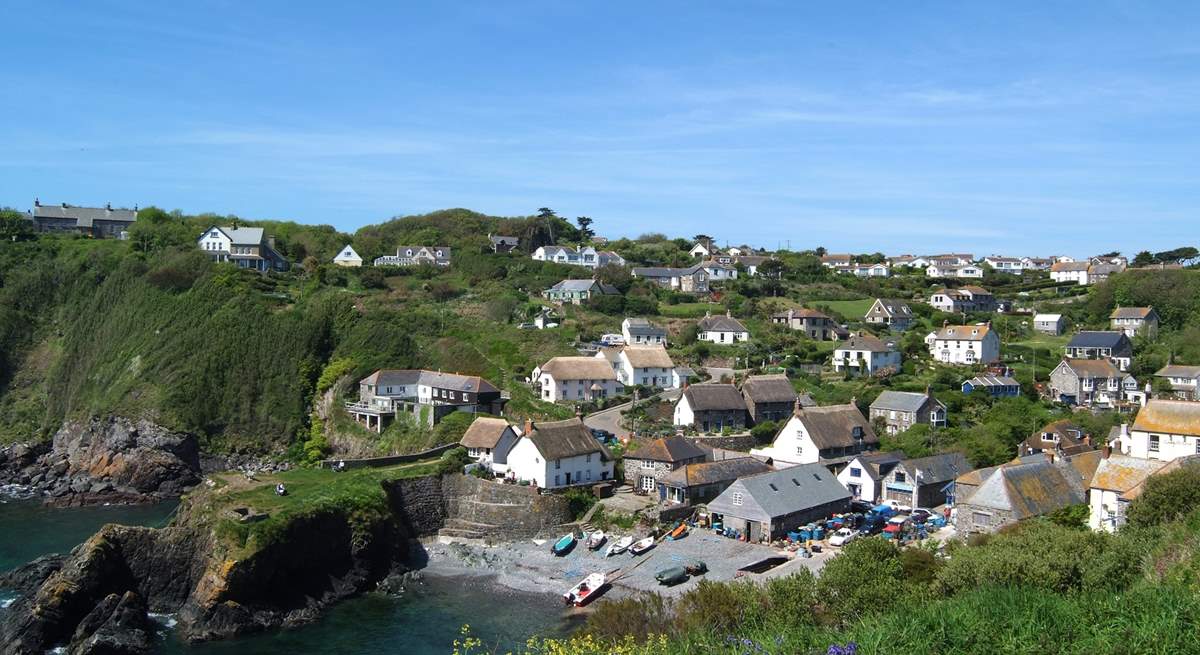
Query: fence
point(391, 460)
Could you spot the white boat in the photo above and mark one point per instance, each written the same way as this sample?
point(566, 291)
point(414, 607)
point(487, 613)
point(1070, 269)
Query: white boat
point(642, 546)
point(596, 539)
point(582, 593)
point(619, 546)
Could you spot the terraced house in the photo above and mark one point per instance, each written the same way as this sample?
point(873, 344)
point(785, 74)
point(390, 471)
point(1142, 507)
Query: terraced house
point(1166, 430)
point(768, 397)
point(923, 482)
point(428, 396)
point(711, 408)
point(647, 366)
point(104, 222)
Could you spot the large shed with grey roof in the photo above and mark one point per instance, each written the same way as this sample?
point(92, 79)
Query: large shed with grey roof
point(767, 506)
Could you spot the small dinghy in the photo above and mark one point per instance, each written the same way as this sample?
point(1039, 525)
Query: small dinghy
point(619, 546)
point(596, 540)
point(679, 532)
point(563, 545)
point(642, 546)
point(671, 576)
point(582, 593)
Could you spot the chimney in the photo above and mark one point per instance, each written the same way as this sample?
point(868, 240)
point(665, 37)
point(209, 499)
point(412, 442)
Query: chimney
point(108, 206)
point(65, 205)
point(37, 202)
point(578, 412)
point(728, 313)
point(1106, 451)
point(271, 242)
point(528, 426)
point(945, 322)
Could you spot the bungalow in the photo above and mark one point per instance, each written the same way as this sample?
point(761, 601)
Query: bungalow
point(830, 435)
point(488, 441)
point(895, 314)
point(1012, 265)
point(922, 482)
point(647, 366)
point(577, 292)
point(1061, 438)
point(969, 271)
point(866, 354)
point(576, 379)
point(768, 397)
point(1165, 430)
point(1134, 321)
point(1016, 492)
point(718, 271)
point(997, 386)
point(721, 329)
point(837, 261)
point(244, 247)
point(428, 396)
point(766, 506)
point(348, 257)
point(587, 256)
point(1117, 481)
point(1184, 380)
point(751, 263)
point(711, 408)
point(648, 465)
point(693, 279)
point(95, 222)
point(503, 244)
point(910, 261)
point(900, 410)
point(1049, 323)
point(1090, 383)
point(639, 331)
point(698, 483)
point(965, 299)
point(559, 454)
point(417, 256)
point(1101, 345)
point(814, 324)
point(863, 474)
point(866, 270)
point(964, 345)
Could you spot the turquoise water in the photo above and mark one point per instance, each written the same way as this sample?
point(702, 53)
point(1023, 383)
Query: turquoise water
point(426, 619)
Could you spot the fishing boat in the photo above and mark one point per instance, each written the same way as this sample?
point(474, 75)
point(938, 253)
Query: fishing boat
point(619, 546)
point(596, 540)
point(671, 576)
point(563, 545)
point(582, 593)
point(679, 532)
point(641, 546)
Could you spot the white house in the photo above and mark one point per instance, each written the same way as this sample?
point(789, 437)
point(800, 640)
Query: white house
point(947, 270)
point(1013, 265)
point(865, 354)
point(721, 329)
point(576, 379)
point(1117, 481)
point(648, 366)
point(829, 435)
point(703, 250)
point(718, 272)
point(641, 332)
point(870, 270)
point(1049, 323)
point(244, 247)
point(488, 441)
point(559, 454)
point(586, 256)
point(964, 344)
point(863, 476)
point(347, 257)
point(1165, 430)
point(1071, 271)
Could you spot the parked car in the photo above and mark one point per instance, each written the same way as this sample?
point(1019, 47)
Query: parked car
point(843, 537)
point(860, 506)
point(920, 515)
point(897, 505)
point(612, 340)
point(604, 436)
point(895, 525)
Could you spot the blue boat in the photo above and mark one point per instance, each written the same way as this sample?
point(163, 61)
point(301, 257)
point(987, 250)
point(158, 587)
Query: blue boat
point(563, 545)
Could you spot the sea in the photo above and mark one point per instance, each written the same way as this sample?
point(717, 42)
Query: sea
point(425, 619)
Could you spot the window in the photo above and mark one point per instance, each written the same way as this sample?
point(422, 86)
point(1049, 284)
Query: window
point(855, 472)
point(799, 450)
point(1154, 443)
point(647, 464)
point(1198, 446)
point(556, 480)
point(737, 498)
point(557, 464)
point(899, 477)
point(588, 458)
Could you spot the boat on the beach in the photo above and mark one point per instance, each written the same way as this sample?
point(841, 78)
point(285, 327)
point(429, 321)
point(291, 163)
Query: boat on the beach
point(671, 576)
point(619, 546)
point(679, 532)
point(582, 593)
point(563, 545)
point(641, 546)
point(596, 539)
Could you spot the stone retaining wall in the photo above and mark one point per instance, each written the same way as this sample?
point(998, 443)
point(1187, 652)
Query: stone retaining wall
point(423, 505)
point(743, 442)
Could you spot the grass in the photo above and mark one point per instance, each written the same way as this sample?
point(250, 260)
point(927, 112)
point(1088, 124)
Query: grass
point(853, 310)
point(687, 310)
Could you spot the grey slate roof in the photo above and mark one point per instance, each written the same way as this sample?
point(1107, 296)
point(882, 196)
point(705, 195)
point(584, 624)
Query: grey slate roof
point(1030, 489)
point(583, 285)
point(714, 397)
point(84, 216)
point(937, 468)
point(1097, 339)
point(720, 324)
point(877, 464)
point(404, 377)
point(989, 380)
point(902, 401)
point(723, 470)
point(667, 449)
point(644, 327)
point(773, 494)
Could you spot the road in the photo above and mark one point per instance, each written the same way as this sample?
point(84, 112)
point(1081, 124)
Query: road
point(610, 419)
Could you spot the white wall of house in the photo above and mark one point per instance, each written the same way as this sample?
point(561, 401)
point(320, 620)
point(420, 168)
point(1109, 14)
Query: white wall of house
point(862, 483)
point(792, 445)
point(554, 390)
point(683, 412)
point(965, 352)
point(526, 463)
point(215, 241)
point(1161, 445)
point(1103, 505)
point(647, 376)
point(864, 362)
point(1079, 277)
point(723, 337)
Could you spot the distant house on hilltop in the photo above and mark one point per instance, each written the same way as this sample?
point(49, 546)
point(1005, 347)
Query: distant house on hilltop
point(348, 257)
point(586, 256)
point(244, 247)
point(896, 314)
point(503, 244)
point(96, 222)
point(416, 256)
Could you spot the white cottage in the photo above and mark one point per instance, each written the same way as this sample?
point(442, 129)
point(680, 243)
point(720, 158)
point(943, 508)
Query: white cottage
point(866, 354)
point(965, 345)
point(1165, 430)
point(721, 329)
point(488, 441)
point(559, 454)
point(830, 435)
point(348, 257)
point(576, 379)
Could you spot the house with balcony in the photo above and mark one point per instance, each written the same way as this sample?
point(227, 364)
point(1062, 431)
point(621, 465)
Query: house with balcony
point(865, 354)
point(900, 410)
point(427, 396)
point(587, 256)
point(417, 256)
point(244, 247)
point(968, 271)
point(1134, 321)
point(896, 314)
point(964, 345)
point(1114, 346)
point(348, 258)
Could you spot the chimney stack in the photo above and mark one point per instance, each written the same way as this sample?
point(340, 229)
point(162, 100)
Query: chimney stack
point(37, 202)
point(528, 426)
point(108, 206)
point(1107, 451)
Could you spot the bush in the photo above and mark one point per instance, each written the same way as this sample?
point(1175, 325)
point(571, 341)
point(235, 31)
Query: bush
point(637, 616)
point(453, 461)
point(1166, 497)
point(866, 577)
point(579, 500)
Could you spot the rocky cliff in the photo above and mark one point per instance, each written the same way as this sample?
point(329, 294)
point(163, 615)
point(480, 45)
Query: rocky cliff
point(104, 460)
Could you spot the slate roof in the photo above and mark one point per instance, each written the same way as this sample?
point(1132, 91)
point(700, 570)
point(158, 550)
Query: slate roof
point(505, 241)
point(714, 397)
point(768, 389)
point(1047, 318)
point(868, 343)
point(1098, 339)
point(902, 401)
point(802, 312)
point(720, 324)
point(84, 216)
point(989, 380)
point(937, 468)
point(1063, 267)
point(1092, 368)
point(648, 357)
point(347, 253)
point(963, 332)
point(643, 327)
point(1070, 438)
point(778, 493)
point(484, 432)
point(723, 470)
point(891, 307)
point(1169, 417)
point(1178, 371)
point(1131, 312)
point(878, 465)
point(667, 449)
point(583, 285)
point(562, 439)
point(1029, 489)
point(833, 426)
point(1121, 473)
point(579, 368)
point(403, 377)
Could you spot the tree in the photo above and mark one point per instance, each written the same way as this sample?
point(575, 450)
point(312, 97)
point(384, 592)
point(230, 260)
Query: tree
point(820, 251)
point(1166, 497)
point(585, 229)
point(617, 276)
point(772, 269)
point(1143, 258)
point(1177, 255)
point(703, 238)
point(546, 212)
point(14, 225)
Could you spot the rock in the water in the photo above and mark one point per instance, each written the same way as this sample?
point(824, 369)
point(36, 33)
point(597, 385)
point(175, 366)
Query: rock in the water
point(118, 625)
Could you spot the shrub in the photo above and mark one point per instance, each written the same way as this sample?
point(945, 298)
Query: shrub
point(637, 616)
point(866, 577)
point(1166, 497)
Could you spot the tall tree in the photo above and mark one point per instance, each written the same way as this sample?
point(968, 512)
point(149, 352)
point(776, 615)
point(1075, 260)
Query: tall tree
point(585, 228)
point(546, 212)
point(1143, 258)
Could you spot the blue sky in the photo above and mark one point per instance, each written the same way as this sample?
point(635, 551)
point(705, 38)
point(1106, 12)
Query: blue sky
point(1016, 128)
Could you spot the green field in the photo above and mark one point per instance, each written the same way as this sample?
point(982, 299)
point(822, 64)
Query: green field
point(853, 310)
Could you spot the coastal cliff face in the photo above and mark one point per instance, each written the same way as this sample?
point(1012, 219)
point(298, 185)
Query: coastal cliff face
point(104, 460)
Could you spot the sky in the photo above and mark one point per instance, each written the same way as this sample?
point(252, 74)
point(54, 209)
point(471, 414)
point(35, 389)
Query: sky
point(1020, 128)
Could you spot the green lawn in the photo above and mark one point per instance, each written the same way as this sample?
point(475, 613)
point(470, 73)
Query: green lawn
point(853, 310)
point(687, 310)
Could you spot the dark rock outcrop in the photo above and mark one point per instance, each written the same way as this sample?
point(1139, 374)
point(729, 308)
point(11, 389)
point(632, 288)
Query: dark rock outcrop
point(105, 460)
point(118, 625)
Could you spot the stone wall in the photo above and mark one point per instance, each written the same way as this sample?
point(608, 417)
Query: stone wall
point(742, 442)
point(424, 506)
